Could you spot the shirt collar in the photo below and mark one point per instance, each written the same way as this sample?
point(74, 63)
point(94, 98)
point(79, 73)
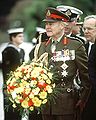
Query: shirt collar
point(58, 40)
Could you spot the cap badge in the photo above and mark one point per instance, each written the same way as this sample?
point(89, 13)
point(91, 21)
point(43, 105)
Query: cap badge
point(68, 12)
point(48, 13)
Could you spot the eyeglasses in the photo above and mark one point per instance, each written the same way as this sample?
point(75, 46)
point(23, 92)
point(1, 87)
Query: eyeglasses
point(88, 28)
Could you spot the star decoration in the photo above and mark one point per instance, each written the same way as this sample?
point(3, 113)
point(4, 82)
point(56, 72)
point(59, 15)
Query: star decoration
point(64, 73)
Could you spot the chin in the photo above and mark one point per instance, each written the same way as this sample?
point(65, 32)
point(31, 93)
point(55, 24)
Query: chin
point(49, 34)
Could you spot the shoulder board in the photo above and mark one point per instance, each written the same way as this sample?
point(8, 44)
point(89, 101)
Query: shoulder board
point(74, 38)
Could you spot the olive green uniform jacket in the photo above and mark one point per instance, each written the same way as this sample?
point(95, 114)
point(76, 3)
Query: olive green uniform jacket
point(65, 102)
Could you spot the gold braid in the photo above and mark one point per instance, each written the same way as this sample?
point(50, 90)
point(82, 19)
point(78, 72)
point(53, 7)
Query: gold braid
point(44, 57)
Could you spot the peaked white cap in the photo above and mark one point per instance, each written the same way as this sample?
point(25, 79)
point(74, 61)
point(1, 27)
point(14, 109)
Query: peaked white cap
point(40, 30)
point(73, 9)
point(15, 30)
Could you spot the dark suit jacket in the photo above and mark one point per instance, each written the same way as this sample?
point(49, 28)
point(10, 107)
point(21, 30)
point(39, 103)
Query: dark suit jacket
point(92, 63)
point(65, 103)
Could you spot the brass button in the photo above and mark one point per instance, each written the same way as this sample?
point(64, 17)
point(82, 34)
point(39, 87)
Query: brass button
point(69, 90)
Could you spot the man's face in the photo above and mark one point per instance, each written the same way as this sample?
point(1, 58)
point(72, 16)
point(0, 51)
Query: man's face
point(76, 29)
point(54, 29)
point(18, 39)
point(68, 28)
point(89, 28)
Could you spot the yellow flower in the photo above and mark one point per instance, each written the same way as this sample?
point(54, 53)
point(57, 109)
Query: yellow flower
point(44, 101)
point(36, 91)
point(35, 73)
point(48, 81)
point(44, 76)
point(31, 108)
point(43, 95)
point(27, 90)
point(19, 90)
point(12, 81)
point(33, 83)
point(49, 89)
point(31, 95)
point(39, 69)
point(24, 104)
point(50, 75)
point(17, 74)
point(24, 83)
point(37, 102)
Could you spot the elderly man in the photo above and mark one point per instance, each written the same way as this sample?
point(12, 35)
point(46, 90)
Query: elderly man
point(67, 57)
point(89, 27)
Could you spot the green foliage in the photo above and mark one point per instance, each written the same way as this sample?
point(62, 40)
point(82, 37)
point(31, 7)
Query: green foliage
point(32, 12)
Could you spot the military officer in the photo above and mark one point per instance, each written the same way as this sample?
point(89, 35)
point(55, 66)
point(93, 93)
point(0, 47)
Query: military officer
point(12, 57)
point(67, 57)
point(73, 23)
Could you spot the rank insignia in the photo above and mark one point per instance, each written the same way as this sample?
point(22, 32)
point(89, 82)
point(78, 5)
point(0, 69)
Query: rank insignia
point(68, 12)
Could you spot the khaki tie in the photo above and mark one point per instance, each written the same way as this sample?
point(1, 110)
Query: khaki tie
point(53, 46)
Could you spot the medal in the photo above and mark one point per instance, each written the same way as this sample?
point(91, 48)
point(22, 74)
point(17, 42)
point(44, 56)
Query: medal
point(64, 73)
point(64, 66)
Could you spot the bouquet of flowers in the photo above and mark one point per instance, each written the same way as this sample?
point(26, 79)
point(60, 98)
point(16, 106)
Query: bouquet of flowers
point(30, 86)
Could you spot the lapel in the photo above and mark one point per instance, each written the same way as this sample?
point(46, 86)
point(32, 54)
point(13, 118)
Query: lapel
point(87, 46)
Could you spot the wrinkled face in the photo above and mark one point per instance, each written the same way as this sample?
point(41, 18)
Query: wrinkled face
point(89, 28)
point(54, 29)
point(18, 39)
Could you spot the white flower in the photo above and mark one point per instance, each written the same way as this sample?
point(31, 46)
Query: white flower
point(14, 95)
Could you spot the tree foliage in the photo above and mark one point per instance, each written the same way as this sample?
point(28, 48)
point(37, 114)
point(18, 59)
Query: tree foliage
point(32, 12)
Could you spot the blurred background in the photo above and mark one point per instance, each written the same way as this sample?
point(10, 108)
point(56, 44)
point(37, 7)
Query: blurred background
point(32, 12)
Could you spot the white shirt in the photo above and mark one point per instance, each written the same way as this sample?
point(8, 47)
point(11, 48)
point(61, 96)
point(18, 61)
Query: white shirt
point(89, 49)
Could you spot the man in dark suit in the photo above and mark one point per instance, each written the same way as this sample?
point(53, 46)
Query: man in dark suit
point(67, 57)
point(89, 27)
point(12, 57)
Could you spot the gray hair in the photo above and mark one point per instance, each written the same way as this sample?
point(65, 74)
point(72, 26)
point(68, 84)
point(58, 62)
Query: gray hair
point(89, 17)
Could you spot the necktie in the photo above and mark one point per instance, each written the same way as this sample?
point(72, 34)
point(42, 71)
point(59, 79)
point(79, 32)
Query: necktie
point(53, 46)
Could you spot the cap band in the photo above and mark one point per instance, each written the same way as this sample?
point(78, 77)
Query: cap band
point(54, 16)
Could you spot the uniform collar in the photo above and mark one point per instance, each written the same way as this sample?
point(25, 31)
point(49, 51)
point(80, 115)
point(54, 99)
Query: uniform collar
point(58, 40)
point(11, 45)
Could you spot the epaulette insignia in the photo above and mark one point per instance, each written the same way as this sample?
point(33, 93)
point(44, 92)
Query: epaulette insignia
point(65, 41)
